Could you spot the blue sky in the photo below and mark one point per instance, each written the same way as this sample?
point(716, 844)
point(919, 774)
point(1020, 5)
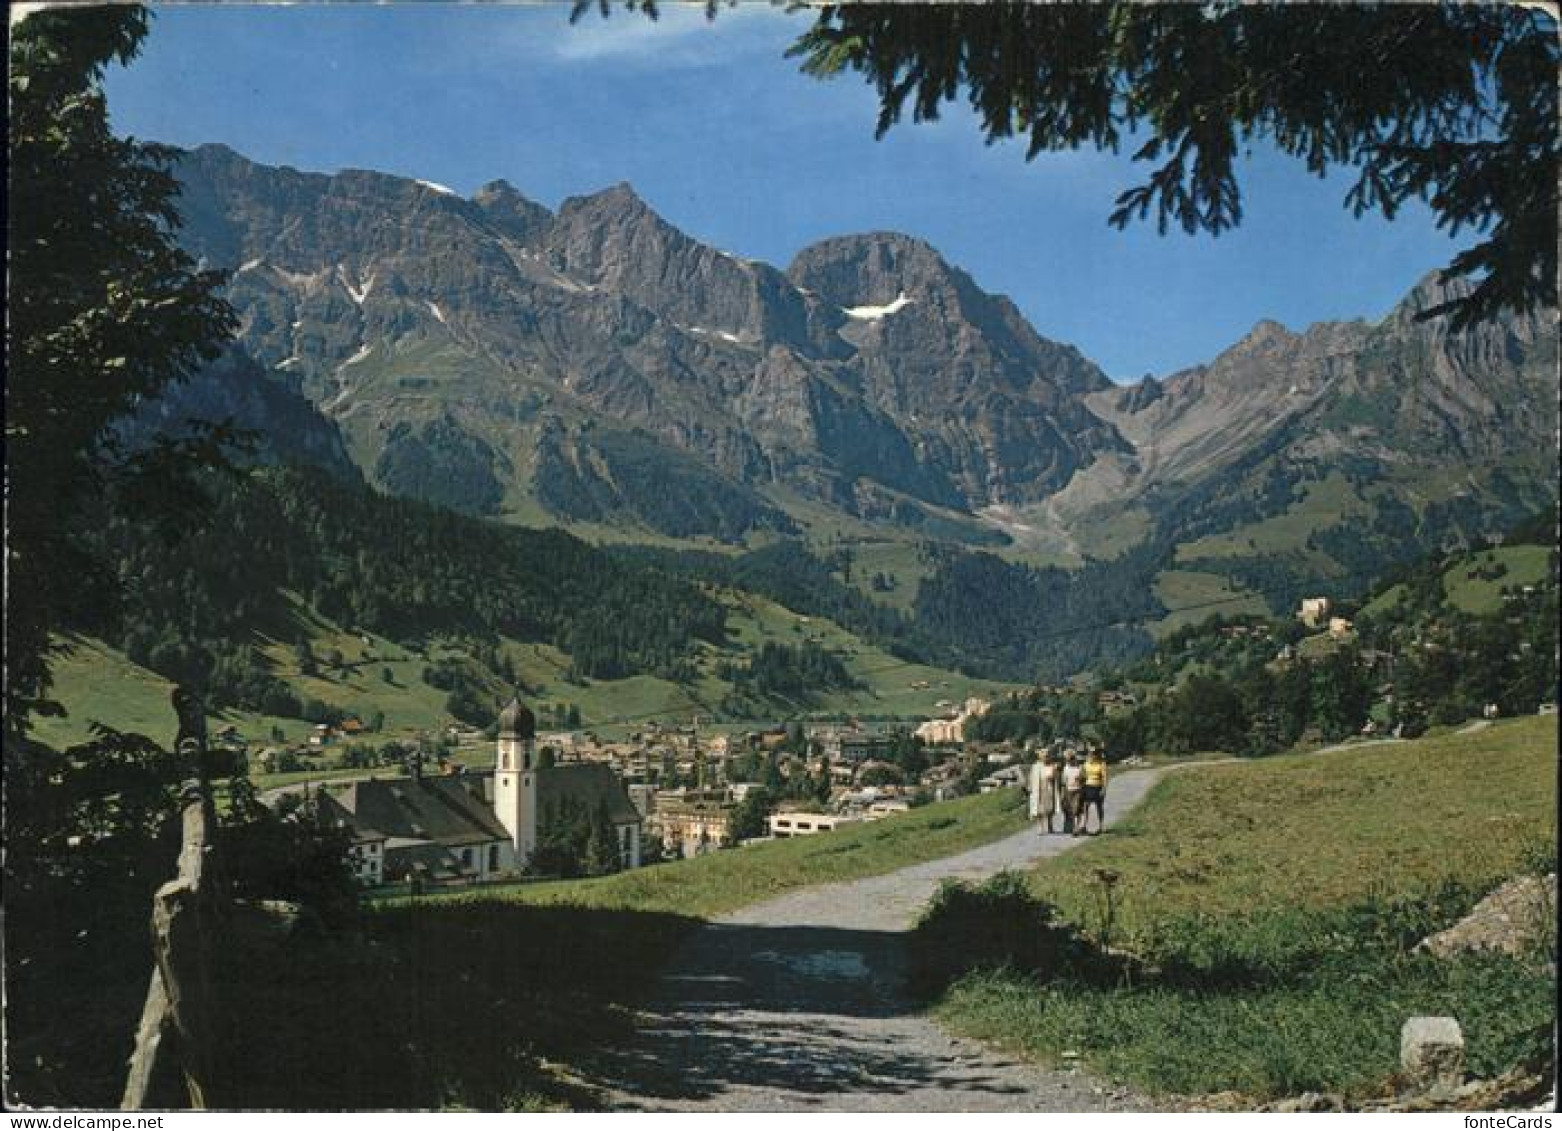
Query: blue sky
point(725, 138)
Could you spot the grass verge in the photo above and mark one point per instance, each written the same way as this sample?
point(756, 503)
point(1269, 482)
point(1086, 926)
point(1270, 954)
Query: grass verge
point(725, 881)
point(1262, 917)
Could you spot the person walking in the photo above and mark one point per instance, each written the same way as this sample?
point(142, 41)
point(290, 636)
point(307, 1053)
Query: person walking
point(1044, 789)
point(1094, 792)
point(1073, 786)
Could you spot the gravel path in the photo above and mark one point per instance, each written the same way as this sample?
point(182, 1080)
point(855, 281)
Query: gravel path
point(798, 1005)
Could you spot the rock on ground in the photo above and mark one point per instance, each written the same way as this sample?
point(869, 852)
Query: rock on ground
point(1509, 920)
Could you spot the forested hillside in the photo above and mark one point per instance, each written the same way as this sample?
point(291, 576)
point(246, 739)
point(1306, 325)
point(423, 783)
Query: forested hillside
point(194, 608)
point(1452, 637)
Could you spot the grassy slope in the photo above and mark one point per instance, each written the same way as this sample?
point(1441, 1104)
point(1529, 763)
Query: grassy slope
point(1526, 565)
point(1201, 595)
point(724, 881)
point(1323, 504)
point(97, 683)
point(1324, 829)
point(1288, 891)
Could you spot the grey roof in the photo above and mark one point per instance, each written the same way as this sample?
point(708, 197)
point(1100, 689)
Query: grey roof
point(445, 810)
point(586, 784)
point(451, 812)
point(429, 861)
point(339, 815)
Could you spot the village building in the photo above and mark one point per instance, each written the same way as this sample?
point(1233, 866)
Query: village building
point(467, 828)
point(950, 731)
point(696, 823)
point(805, 824)
point(1007, 778)
point(1314, 611)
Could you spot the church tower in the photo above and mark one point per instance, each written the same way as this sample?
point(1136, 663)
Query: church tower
point(515, 779)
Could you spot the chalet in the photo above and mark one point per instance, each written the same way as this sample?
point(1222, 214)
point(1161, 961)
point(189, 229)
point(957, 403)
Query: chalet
point(468, 828)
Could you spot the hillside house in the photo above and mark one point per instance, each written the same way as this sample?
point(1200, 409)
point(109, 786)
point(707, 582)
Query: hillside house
point(1314, 611)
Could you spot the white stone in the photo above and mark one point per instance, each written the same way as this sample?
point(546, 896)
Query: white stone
point(1431, 1051)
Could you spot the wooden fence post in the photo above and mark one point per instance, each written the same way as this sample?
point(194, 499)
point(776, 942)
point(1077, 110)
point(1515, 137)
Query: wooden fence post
point(187, 916)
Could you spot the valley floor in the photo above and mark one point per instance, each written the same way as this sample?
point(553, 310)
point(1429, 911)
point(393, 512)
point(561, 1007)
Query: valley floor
point(799, 1004)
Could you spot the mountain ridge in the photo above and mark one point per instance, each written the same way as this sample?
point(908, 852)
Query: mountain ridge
point(598, 367)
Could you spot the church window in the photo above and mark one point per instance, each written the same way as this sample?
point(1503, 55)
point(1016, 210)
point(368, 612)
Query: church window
point(493, 857)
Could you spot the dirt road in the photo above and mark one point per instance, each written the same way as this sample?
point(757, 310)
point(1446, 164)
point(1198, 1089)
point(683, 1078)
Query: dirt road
point(797, 1004)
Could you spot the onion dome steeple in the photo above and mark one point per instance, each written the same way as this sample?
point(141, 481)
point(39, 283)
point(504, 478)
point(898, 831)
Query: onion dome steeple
point(517, 721)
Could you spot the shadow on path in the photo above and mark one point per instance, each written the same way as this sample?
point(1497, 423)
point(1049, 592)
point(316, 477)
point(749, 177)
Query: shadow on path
point(763, 1012)
point(801, 1003)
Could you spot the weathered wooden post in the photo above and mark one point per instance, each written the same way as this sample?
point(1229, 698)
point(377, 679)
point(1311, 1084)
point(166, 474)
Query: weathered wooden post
point(186, 933)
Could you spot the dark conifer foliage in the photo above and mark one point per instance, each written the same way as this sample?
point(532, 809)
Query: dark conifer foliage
point(399, 568)
point(103, 310)
point(1451, 104)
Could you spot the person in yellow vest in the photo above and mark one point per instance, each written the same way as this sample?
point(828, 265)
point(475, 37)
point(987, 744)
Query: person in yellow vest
point(1094, 792)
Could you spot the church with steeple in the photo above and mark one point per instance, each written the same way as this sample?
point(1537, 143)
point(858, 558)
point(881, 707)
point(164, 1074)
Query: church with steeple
point(515, 778)
point(478, 827)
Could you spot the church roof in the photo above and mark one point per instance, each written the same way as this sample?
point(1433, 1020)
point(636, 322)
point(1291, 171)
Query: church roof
point(432, 862)
point(585, 785)
point(448, 811)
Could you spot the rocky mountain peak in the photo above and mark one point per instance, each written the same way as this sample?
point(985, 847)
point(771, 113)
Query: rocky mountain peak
point(872, 270)
point(616, 202)
point(515, 216)
point(1428, 292)
point(1266, 333)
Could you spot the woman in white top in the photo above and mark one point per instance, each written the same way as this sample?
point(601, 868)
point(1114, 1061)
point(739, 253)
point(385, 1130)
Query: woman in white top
point(1044, 789)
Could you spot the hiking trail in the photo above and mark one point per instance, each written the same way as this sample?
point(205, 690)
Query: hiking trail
point(798, 1004)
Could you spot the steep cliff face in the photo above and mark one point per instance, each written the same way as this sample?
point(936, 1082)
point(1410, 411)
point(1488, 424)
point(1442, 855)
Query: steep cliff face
point(558, 364)
point(395, 303)
point(1400, 392)
point(280, 425)
point(992, 404)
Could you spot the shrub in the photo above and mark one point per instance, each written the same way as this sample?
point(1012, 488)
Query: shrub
point(995, 924)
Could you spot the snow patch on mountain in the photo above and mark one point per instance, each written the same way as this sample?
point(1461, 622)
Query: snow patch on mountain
point(874, 313)
point(358, 293)
point(363, 352)
point(724, 335)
